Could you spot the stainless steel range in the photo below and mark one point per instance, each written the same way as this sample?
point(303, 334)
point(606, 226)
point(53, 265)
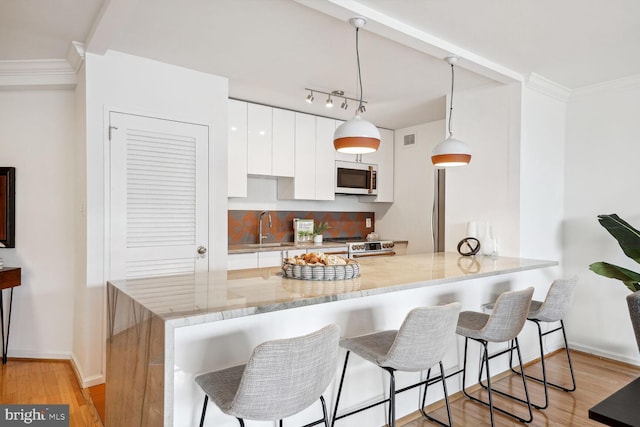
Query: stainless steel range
point(370, 248)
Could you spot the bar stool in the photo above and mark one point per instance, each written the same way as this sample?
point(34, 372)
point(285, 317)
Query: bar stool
point(418, 345)
point(503, 325)
point(553, 309)
point(281, 378)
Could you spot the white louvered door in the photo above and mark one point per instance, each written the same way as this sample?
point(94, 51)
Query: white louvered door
point(158, 196)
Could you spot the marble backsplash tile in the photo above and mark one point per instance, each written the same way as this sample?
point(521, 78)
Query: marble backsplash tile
point(243, 225)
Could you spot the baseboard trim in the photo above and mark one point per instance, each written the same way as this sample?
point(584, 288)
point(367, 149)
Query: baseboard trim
point(82, 380)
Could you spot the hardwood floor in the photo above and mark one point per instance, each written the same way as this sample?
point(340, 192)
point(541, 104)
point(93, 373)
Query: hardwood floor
point(46, 381)
point(32, 381)
point(596, 379)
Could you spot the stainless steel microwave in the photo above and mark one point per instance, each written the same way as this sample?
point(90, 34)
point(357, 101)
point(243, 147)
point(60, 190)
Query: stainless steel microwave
point(356, 178)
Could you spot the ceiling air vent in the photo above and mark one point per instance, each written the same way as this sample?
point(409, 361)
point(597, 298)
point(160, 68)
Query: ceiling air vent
point(409, 140)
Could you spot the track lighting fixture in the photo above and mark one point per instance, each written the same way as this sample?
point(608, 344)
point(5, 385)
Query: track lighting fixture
point(334, 93)
point(451, 151)
point(357, 136)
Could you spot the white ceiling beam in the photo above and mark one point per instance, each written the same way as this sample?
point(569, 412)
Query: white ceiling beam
point(113, 15)
point(392, 29)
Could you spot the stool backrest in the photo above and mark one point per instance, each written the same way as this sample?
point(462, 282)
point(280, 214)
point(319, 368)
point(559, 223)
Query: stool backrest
point(423, 338)
point(283, 377)
point(557, 302)
point(508, 315)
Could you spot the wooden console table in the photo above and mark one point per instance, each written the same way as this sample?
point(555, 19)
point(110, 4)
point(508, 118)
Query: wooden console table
point(10, 277)
point(621, 408)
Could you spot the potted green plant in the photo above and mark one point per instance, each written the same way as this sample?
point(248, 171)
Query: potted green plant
point(318, 229)
point(629, 240)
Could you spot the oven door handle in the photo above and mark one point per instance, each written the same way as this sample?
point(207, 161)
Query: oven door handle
point(391, 253)
point(337, 253)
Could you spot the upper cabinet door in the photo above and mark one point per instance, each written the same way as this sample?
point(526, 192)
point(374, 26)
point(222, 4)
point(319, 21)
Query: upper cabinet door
point(237, 151)
point(305, 152)
point(384, 158)
point(260, 129)
point(325, 159)
point(283, 146)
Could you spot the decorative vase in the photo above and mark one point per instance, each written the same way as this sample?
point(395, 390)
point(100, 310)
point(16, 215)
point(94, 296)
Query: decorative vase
point(317, 238)
point(486, 244)
point(633, 301)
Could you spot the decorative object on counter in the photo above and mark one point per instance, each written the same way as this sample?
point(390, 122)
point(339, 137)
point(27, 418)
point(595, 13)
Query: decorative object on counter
point(318, 229)
point(318, 266)
point(472, 229)
point(488, 244)
point(469, 246)
point(357, 136)
point(372, 237)
point(629, 240)
point(303, 230)
point(1, 264)
point(451, 151)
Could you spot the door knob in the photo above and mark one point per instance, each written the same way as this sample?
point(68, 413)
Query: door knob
point(202, 250)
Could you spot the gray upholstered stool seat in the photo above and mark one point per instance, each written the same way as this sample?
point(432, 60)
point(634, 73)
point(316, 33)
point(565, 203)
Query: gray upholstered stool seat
point(503, 325)
point(281, 378)
point(553, 309)
point(418, 345)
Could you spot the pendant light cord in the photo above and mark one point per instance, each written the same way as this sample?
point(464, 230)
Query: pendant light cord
point(451, 102)
point(359, 74)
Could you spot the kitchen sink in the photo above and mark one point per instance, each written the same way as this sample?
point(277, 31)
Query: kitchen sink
point(270, 245)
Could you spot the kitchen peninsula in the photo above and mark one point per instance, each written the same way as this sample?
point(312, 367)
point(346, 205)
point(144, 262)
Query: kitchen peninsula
point(164, 330)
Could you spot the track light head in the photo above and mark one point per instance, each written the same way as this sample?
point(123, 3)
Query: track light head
point(362, 109)
point(344, 104)
point(329, 102)
point(310, 97)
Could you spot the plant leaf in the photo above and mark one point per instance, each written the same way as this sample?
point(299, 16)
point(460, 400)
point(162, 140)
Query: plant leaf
point(627, 236)
point(630, 278)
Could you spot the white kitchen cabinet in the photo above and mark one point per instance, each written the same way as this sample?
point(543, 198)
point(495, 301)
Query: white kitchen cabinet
point(384, 158)
point(237, 149)
point(283, 143)
point(325, 159)
point(269, 259)
point(270, 141)
point(314, 161)
point(242, 261)
point(259, 139)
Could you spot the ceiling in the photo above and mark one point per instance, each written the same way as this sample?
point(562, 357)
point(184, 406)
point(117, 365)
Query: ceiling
point(272, 49)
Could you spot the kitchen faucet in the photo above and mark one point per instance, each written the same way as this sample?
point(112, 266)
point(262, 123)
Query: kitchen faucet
point(261, 237)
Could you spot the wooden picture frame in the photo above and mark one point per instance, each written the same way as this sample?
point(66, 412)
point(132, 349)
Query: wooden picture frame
point(7, 207)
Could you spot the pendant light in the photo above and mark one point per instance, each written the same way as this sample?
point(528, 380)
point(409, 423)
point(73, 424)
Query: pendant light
point(357, 136)
point(451, 151)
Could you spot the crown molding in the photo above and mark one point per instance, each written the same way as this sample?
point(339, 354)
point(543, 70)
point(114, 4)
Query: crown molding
point(52, 73)
point(75, 55)
point(547, 87)
point(624, 83)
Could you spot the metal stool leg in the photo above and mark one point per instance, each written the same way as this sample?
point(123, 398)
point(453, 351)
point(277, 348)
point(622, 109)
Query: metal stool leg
point(544, 380)
point(446, 399)
point(344, 370)
point(204, 410)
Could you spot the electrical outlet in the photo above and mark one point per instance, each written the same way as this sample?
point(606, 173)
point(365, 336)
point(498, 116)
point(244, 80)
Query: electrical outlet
point(367, 223)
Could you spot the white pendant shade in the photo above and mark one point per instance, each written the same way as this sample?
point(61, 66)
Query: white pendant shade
point(451, 152)
point(356, 136)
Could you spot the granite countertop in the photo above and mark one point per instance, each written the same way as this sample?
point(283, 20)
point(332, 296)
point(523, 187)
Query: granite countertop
point(283, 246)
point(206, 297)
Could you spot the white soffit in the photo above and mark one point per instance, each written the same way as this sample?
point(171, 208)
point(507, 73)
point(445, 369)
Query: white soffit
point(386, 26)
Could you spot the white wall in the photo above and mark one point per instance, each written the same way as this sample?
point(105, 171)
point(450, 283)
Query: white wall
point(131, 84)
point(37, 138)
point(542, 174)
point(409, 217)
point(601, 175)
point(486, 190)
